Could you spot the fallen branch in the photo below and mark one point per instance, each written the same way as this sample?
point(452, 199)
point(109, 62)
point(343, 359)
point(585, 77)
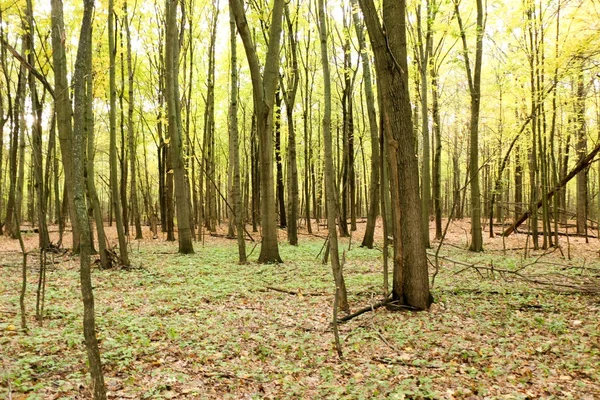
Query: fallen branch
point(387, 302)
point(580, 165)
point(293, 293)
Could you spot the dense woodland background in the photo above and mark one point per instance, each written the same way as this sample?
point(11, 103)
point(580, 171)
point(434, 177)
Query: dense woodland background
point(400, 123)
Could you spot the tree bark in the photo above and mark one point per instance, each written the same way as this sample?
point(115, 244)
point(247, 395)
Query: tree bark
point(36, 135)
point(330, 192)
point(264, 85)
point(474, 80)
point(410, 283)
point(234, 145)
point(130, 131)
point(114, 183)
point(174, 131)
point(82, 64)
point(373, 206)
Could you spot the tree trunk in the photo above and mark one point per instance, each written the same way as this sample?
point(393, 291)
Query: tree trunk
point(290, 98)
point(280, 189)
point(63, 109)
point(174, 118)
point(330, 192)
point(82, 68)
point(437, 155)
point(114, 183)
point(236, 197)
point(210, 211)
point(411, 283)
point(130, 132)
point(264, 85)
point(581, 152)
point(373, 206)
point(474, 80)
point(11, 205)
point(425, 48)
point(36, 135)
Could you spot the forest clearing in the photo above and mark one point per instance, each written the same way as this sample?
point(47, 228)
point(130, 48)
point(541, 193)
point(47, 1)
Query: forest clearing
point(203, 326)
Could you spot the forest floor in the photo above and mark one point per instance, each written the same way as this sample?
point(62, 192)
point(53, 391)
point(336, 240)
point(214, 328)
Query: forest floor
point(202, 326)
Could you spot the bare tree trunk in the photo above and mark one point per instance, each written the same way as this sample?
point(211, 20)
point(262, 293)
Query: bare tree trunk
point(114, 183)
point(290, 98)
point(63, 108)
point(474, 79)
point(82, 67)
point(330, 192)
point(264, 85)
point(581, 152)
point(130, 132)
point(36, 135)
point(279, 192)
point(236, 197)
point(174, 118)
point(410, 283)
point(373, 206)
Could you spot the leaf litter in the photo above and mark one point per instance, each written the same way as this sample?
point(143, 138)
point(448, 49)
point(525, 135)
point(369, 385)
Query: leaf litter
point(202, 326)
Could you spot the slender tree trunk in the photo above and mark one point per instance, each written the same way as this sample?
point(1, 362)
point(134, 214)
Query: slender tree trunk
point(63, 108)
point(330, 192)
point(236, 197)
point(130, 132)
point(82, 64)
point(114, 183)
point(581, 149)
point(290, 98)
point(264, 85)
point(11, 205)
point(91, 186)
point(36, 135)
point(437, 155)
point(174, 118)
point(425, 48)
point(210, 215)
point(474, 80)
point(307, 142)
point(373, 206)
point(279, 193)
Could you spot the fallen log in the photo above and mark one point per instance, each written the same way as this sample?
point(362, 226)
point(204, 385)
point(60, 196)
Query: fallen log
point(580, 165)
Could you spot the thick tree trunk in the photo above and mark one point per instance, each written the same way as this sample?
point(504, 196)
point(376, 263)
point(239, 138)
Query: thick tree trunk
point(411, 283)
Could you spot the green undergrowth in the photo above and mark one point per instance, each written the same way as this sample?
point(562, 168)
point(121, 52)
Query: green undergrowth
point(204, 326)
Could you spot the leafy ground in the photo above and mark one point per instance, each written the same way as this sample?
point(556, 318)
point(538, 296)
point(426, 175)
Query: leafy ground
point(202, 326)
